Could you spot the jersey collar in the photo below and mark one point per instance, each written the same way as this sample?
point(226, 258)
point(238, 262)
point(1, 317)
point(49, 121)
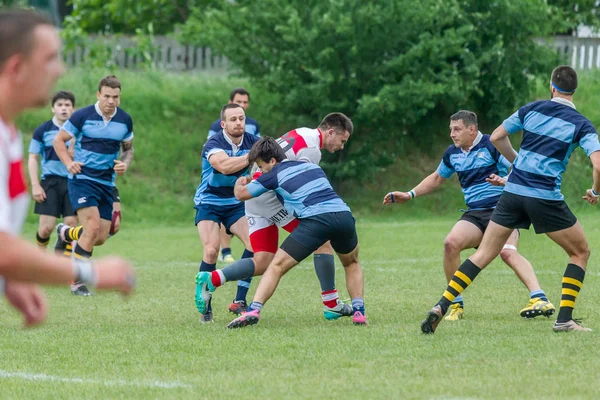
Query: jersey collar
point(106, 120)
point(475, 143)
point(236, 147)
point(56, 122)
point(564, 102)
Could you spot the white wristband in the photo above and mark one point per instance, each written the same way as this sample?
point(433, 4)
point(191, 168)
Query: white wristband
point(412, 194)
point(594, 192)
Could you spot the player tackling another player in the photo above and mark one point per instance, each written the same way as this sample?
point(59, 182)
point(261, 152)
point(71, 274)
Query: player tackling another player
point(266, 215)
point(306, 191)
point(552, 130)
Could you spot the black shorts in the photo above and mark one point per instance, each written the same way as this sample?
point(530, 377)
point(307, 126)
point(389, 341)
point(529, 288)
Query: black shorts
point(515, 211)
point(57, 203)
point(479, 218)
point(313, 232)
point(115, 195)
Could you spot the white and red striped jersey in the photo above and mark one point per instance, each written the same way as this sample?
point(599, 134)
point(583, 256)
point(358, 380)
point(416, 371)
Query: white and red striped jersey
point(302, 144)
point(14, 198)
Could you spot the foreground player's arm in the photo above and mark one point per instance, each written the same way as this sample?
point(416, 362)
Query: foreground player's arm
point(426, 186)
point(122, 165)
point(245, 189)
point(227, 165)
point(499, 137)
point(60, 147)
point(39, 195)
point(23, 262)
point(241, 189)
point(588, 140)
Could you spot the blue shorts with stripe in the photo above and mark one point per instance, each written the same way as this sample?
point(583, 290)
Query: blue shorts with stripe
point(86, 193)
point(225, 215)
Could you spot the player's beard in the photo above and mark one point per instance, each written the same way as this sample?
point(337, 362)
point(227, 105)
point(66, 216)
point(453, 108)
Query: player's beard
point(236, 133)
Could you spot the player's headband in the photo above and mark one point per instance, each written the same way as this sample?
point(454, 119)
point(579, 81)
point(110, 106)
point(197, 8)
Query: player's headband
point(561, 90)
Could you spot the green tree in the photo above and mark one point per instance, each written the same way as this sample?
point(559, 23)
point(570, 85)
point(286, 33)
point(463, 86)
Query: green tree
point(393, 66)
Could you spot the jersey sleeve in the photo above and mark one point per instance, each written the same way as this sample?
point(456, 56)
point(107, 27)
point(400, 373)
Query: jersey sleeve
point(37, 141)
point(129, 135)
point(589, 140)
point(255, 188)
point(74, 125)
point(211, 147)
point(445, 169)
point(309, 154)
point(513, 123)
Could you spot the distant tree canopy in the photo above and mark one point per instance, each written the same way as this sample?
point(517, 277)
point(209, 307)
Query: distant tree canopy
point(397, 67)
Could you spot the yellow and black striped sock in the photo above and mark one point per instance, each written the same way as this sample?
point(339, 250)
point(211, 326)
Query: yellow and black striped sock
point(459, 282)
point(41, 242)
point(68, 250)
point(571, 285)
point(74, 233)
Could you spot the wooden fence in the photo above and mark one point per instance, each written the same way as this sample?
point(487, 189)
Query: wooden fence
point(580, 53)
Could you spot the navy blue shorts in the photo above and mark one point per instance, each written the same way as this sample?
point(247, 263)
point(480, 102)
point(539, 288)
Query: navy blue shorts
point(86, 193)
point(313, 232)
point(226, 215)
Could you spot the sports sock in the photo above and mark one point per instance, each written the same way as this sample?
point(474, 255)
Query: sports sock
point(244, 284)
point(358, 304)
point(68, 250)
point(226, 251)
point(459, 300)
point(204, 266)
point(80, 254)
point(41, 242)
point(571, 285)
point(255, 306)
point(325, 270)
point(538, 294)
point(459, 282)
point(330, 298)
point(74, 233)
point(240, 269)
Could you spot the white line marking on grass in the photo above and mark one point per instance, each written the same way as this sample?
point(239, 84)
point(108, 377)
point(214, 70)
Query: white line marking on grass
point(118, 382)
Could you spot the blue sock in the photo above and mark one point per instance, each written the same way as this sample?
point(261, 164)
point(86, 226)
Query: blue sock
point(244, 285)
point(459, 300)
point(255, 306)
point(358, 304)
point(204, 266)
point(538, 294)
point(226, 251)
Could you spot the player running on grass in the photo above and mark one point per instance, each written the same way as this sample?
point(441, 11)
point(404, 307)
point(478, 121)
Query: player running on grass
point(323, 217)
point(266, 213)
point(476, 162)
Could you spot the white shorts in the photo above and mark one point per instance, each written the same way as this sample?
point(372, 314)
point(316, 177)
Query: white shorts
point(266, 210)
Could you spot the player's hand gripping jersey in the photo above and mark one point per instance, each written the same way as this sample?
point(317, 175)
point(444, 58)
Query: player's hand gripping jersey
point(302, 144)
point(13, 190)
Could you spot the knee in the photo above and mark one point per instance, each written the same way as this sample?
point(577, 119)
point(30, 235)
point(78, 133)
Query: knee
point(100, 239)
point(211, 254)
point(451, 245)
point(507, 255)
point(46, 230)
point(92, 231)
point(584, 253)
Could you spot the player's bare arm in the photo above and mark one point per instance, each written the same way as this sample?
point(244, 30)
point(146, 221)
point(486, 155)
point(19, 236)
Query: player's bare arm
point(499, 139)
point(427, 185)
point(240, 190)
point(227, 165)
point(62, 152)
point(591, 195)
point(496, 180)
point(126, 157)
point(38, 193)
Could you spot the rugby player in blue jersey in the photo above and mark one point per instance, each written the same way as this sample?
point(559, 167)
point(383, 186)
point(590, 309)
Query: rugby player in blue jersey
point(479, 166)
point(306, 192)
point(101, 131)
point(552, 130)
point(51, 194)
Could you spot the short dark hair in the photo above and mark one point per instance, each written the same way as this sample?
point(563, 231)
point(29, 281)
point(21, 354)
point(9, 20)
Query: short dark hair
point(63, 95)
point(338, 122)
point(469, 118)
point(227, 107)
point(110, 81)
point(241, 91)
point(265, 149)
point(564, 79)
point(16, 32)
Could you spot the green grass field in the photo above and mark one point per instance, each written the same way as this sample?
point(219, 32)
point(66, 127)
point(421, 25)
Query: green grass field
point(152, 346)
